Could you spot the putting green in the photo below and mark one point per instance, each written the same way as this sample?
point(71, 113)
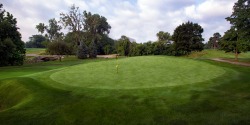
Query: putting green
point(137, 72)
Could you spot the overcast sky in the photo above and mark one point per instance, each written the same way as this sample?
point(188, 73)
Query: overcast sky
point(137, 19)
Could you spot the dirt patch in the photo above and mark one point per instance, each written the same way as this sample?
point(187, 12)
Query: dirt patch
point(231, 62)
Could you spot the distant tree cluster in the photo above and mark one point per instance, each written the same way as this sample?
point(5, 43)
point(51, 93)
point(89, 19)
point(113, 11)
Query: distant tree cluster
point(186, 38)
point(87, 36)
point(213, 42)
point(37, 41)
point(12, 50)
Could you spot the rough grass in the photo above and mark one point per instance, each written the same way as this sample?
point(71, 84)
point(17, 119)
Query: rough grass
point(38, 51)
point(222, 100)
point(210, 53)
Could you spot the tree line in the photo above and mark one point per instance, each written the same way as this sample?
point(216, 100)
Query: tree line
point(88, 36)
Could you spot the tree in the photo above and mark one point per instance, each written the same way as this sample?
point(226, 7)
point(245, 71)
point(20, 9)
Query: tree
point(231, 43)
point(36, 41)
point(240, 19)
point(11, 46)
point(163, 36)
point(73, 20)
point(123, 46)
point(92, 50)
point(52, 30)
point(82, 51)
point(213, 42)
point(86, 26)
point(237, 39)
point(187, 38)
point(59, 48)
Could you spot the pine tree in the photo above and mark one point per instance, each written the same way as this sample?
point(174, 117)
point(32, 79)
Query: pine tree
point(82, 52)
point(92, 50)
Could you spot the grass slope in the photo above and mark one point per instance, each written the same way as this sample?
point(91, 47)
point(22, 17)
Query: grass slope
point(210, 53)
point(222, 100)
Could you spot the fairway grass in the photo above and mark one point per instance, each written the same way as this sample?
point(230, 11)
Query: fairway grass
point(138, 72)
point(38, 94)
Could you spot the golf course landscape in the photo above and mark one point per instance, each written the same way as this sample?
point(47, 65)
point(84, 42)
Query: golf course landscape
point(145, 90)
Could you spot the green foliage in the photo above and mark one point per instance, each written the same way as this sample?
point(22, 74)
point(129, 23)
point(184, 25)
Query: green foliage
point(59, 48)
point(123, 46)
point(213, 42)
point(36, 41)
point(105, 45)
point(82, 52)
point(87, 27)
point(92, 50)
point(187, 38)
point(240, 19)
point(231, 42)
point(163, 36)
point(11, 46)
point(237, 39)
point(52, 30)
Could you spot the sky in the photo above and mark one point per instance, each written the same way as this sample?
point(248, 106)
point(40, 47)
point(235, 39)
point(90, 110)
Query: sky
point(137, 19)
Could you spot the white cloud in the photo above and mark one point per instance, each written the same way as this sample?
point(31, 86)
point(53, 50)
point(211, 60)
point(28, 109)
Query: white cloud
point(138, 19)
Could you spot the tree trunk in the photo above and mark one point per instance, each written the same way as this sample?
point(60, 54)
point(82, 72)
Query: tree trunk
point(236, 55)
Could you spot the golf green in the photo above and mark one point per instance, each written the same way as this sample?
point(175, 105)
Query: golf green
point(137, 73)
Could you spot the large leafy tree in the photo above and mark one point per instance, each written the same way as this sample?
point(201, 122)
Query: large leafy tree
point(59, 48)
point(163, 36)
point(73, 20)
point(11, 46)
point(187, 38)
point(123, 46)
point(86, 26)
point(53, 30)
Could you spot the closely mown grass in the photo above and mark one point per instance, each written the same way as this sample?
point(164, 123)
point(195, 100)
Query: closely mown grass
point(137, 72)
point(32, 98)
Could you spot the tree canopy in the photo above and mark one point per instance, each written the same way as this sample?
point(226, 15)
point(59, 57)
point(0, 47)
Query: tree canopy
point(36, 41)
point(87, 27)
point(240, 19)
point(53, 30)
point(11, 46)
point(187, 38)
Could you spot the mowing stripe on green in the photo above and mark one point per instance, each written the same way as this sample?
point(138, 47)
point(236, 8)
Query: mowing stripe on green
point(138, 72)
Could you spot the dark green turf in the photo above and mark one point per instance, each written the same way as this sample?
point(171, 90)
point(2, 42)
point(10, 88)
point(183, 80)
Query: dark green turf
point(35, 99)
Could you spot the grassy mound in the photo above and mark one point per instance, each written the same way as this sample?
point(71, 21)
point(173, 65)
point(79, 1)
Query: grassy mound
point(138, 72)
point(12, 93)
